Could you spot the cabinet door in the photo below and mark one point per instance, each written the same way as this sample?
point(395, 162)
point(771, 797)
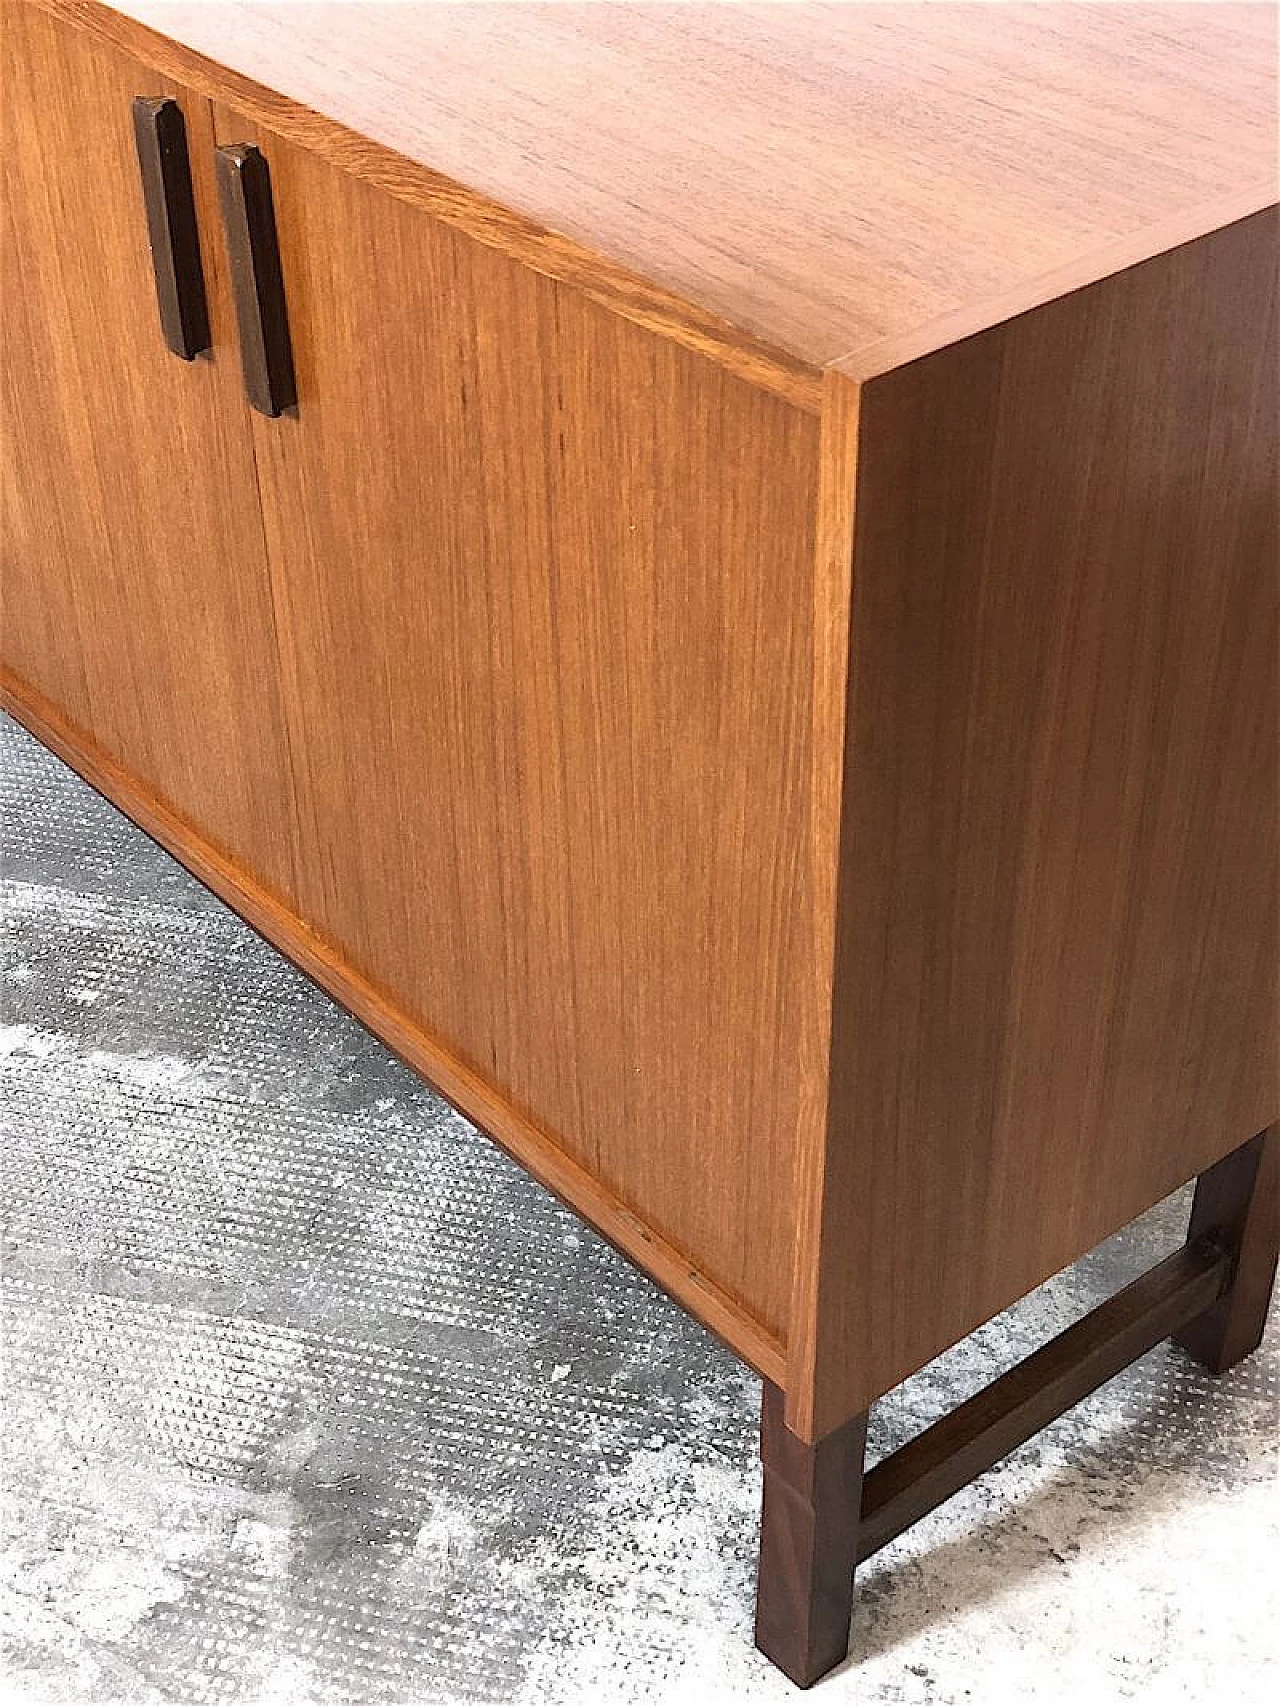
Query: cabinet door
point(136, 599)
point(543, 582)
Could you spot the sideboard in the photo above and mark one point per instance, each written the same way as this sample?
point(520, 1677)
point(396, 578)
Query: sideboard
point(710, 572)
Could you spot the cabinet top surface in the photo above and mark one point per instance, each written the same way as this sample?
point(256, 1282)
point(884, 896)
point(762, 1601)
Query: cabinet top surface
point(852, 184)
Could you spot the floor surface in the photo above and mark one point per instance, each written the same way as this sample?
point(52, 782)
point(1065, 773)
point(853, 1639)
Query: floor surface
point(311, 1398)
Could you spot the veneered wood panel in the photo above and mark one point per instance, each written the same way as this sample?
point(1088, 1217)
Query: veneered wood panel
point(544, 588)
point(135, 588)
point(1057, 944)
point(822, 178)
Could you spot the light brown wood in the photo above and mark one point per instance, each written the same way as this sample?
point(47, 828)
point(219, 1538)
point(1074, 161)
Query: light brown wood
point(635, 297)
point(801, 775)
point(542, 577)
point(1055, 994)
point(424, 1053)
point(764, 181)
point(131, 548)
point(832, 590)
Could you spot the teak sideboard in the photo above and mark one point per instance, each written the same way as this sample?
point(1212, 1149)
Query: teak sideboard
point(711, 573)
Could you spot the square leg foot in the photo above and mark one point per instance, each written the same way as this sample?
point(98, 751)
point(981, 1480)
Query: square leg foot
point(808, 1543)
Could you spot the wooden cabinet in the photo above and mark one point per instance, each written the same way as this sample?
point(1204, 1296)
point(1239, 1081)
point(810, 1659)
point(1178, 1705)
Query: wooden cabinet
point(747, 654)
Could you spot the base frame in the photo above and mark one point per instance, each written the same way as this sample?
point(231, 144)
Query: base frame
point(823, 1513)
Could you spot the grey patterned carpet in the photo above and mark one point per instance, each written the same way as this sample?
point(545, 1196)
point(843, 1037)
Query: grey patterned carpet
point(311, 1398)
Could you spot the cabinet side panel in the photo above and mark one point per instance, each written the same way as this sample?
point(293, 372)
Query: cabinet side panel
point(543, 582)
point(1056, 951)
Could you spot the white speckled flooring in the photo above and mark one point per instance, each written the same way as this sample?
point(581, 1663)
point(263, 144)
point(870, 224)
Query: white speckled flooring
point(310, 1398)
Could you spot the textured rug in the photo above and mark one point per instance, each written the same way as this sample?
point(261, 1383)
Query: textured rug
point(311, 1398)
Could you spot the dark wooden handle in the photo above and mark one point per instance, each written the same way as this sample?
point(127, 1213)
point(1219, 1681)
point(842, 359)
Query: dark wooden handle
point(161, 136)
point(244, 187)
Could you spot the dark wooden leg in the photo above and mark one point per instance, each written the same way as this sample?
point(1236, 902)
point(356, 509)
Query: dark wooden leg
point(1237, 1203)
point(808, 1542)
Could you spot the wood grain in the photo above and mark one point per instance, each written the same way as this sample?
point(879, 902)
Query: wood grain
point(599, 277)
point(425, 1053)
point(763, 181)
point(134, 574)
point(542, 581)
point(1055, 992)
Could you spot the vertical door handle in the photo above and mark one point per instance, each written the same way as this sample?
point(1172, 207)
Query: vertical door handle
point(161, 137)
point(266, 355)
